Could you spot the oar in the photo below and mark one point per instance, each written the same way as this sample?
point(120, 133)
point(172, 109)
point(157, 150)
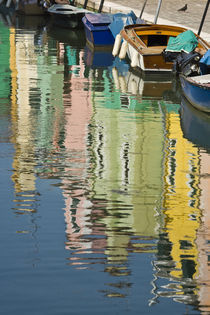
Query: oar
point(204, 16)
point(142, 10)
point(157, 13)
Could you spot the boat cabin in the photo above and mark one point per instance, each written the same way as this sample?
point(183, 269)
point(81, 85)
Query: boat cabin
point(157, 35)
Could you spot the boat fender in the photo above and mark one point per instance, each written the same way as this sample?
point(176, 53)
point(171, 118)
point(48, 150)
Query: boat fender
point(123, 86)
point(135, 59)
point(123, 50)
point(116, 78)
point(117, 44)
point(134, 87)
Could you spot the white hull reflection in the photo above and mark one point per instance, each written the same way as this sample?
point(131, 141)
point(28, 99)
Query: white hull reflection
point(139, 85)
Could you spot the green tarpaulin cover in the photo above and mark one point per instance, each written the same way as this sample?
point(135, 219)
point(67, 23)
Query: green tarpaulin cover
point(185, 41)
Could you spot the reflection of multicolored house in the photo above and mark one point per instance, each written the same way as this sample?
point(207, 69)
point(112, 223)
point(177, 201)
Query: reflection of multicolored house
point(32, 112)
point(22, 55)
point(126, 174)
point(5, 78)
point(78, 111)
point(4, 62)
point(178, 249)
point(50, 76)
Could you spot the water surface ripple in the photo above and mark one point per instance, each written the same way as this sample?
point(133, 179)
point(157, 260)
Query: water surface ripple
point(104, 182)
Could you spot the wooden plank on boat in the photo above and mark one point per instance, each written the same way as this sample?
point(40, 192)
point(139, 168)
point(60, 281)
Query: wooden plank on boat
point(156, 50)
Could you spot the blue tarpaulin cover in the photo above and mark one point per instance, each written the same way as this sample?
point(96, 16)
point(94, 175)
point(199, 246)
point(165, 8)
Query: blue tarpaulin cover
point(120, 20)
point(206, 58)
point(185, 41)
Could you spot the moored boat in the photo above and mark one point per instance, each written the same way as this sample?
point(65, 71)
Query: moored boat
point(144, 45)
point(195, 124)
point(97, 30)
point(197, 90)
point(66, 15)
point(101, 28)
point(193, 70)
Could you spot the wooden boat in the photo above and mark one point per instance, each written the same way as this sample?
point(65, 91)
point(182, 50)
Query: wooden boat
point(66, 15)
point(101, 28)
point(144, 45)
point(197, 90)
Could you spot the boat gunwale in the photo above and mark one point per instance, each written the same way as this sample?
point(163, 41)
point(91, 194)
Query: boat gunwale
point(154, 26)
point(135, 41)
point(205, 86)
point(129, 33)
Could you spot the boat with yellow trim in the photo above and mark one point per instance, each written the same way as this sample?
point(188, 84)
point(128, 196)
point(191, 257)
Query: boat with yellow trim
point(144, 45)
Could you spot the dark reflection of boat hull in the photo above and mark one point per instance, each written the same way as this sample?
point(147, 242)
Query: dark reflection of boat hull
point(139, 84)
point(73, 37)
point(195, 124)
point(95, 58)
point(5, 10)
point(31, 22)
point(29, 8)
point(21, 21)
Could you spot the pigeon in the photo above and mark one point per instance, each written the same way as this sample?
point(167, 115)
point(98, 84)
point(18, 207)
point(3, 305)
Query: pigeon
point(184, 8)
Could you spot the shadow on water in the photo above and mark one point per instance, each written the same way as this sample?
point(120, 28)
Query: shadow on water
point(111, 175)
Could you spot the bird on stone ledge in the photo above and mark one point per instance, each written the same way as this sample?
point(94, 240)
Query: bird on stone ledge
point(184, 8)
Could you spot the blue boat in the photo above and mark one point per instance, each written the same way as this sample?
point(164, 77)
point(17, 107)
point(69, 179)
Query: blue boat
point(101, 28)
point(194, 72)
point(197, 90)
point(97, 30)
point(195, 124)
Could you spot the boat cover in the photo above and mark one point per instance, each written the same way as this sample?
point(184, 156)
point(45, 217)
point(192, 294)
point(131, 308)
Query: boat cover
point(120, 20)
point(202, 79)
point(99, 18)
point(185, 41)
point(206, 58)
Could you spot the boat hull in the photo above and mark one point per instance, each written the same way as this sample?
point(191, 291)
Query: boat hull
point(149, 63)
point(67, 16)
point(146, 45)
point(97, 30)
point(102, 28)
point(195, 124)
point(197, 94)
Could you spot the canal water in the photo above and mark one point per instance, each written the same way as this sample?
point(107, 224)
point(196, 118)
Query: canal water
point(104, 182)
